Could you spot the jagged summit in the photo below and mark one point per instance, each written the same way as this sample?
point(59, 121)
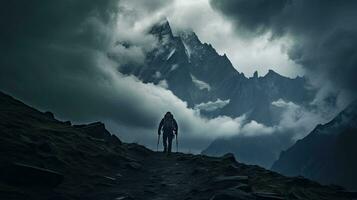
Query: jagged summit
point(255, 75)
point(272, 73)
point(161, 29)
point(42, 158)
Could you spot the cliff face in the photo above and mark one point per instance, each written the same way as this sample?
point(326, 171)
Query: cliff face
point(327, 154)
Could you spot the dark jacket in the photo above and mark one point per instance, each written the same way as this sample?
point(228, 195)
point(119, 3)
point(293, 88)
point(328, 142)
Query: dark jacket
point(168, 129)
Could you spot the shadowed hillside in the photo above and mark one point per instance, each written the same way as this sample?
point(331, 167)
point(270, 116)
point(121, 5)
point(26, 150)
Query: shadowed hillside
point(43, 158)
point(327, 154)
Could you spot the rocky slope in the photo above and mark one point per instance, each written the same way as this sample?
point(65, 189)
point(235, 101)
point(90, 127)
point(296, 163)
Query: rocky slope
point(327, 154)
point(43, 158)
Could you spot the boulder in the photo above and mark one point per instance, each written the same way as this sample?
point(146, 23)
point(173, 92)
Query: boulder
point(49, 114)
point(229, 157)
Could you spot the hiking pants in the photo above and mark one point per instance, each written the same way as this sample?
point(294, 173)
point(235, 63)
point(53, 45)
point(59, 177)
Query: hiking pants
point(167, 138)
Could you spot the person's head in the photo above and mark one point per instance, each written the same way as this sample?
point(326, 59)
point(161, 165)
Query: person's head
point(168, 115)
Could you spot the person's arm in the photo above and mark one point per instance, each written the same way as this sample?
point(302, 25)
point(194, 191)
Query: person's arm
point(160, 126)
point(176, 127)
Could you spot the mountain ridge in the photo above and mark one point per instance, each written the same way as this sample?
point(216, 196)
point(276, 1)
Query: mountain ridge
point(179, 58)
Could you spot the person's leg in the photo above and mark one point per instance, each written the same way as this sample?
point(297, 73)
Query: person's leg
point(170, 142)
point(164, 141)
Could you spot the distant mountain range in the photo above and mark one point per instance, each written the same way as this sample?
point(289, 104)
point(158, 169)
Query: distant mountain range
point(197, 74)
point(327, 154)
point(207, 81)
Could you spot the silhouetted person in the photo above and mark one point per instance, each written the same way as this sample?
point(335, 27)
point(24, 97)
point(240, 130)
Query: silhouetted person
point(169, 127)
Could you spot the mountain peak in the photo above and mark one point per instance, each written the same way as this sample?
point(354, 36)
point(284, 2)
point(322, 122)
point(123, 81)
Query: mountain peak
point(161, 29)
point(272, 73)
point(255, 75)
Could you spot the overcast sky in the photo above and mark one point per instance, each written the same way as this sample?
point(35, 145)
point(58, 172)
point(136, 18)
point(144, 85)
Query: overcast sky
point(53, 56)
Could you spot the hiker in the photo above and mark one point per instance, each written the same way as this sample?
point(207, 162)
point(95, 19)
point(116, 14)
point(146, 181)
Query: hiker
point(169, 126)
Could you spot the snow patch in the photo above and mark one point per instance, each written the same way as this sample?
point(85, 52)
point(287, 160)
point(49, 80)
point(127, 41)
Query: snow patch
point(200, 84)
point(174, 67)
point(170, 54)
point(188, 51)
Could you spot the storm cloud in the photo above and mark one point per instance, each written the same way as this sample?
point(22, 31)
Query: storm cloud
point(323, 35)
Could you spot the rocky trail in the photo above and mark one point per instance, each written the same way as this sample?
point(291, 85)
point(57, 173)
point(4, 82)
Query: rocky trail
point(159, 177)
point(183, 176)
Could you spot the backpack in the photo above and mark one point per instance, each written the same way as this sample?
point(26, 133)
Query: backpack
point(169, 124)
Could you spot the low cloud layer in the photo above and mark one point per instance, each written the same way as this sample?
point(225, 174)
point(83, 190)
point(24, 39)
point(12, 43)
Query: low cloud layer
point(200, 84)
point(212, 105)
point(297, 120)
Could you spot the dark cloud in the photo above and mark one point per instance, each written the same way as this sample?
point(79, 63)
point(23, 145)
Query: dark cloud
point(57, 20)
point(257, 16)
point(53, 56)
point(50, 55)
point(145, 6)
point(324, 33)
